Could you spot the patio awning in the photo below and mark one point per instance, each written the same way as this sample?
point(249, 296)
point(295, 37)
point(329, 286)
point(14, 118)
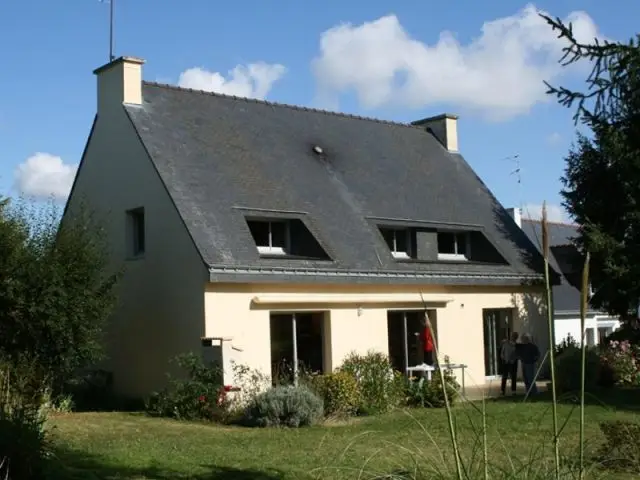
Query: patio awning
point(405, 299)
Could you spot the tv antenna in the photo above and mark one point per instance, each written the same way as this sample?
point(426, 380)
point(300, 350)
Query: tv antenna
point(111, 12)
point(517, 173)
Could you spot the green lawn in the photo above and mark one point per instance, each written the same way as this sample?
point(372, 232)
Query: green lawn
point(125, 445)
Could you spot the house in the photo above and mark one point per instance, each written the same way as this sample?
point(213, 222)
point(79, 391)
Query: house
point(566, 259)
point(245, 224)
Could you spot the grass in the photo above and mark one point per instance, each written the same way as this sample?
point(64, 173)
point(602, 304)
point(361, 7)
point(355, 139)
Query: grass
point(133, 446)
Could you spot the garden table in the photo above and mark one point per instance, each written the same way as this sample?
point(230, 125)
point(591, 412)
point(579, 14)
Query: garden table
point(424, 368)
point(454, 366)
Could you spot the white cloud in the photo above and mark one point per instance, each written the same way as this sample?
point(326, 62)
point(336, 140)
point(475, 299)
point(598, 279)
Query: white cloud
point(44, 176)
point(554, 139)
point(555, 213)
point(498, 74)
point(253, 81)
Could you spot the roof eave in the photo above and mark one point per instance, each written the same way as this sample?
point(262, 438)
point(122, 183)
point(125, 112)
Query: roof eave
point(589, 312)
point(246, 274)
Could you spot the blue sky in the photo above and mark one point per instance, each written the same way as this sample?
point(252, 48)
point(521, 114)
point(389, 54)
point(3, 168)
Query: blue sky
point(390, 60)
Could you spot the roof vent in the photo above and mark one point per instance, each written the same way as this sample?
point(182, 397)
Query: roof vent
point(317, 149)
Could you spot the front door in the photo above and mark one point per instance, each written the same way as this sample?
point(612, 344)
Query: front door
point(498, 325)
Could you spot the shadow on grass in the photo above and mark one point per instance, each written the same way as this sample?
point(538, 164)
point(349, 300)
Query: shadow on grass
point(74, 465)
point(614, 398)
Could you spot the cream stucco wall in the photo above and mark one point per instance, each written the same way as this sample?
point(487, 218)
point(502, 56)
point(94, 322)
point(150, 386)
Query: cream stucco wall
point(357, 317)
point(161, 306)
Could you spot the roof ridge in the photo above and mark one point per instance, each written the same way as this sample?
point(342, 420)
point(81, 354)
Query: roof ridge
point(278, 104)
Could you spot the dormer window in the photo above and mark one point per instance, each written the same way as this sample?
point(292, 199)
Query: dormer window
point(453, 246)
point(399, 241)
point(285, 237)
point(426, 243)
point(271, 236)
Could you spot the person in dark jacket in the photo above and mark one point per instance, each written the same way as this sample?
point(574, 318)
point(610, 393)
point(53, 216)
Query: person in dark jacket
point(528, 353)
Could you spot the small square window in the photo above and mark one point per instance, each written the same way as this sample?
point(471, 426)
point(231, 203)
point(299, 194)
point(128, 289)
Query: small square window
point(453, 246)
point(260, 233)
point(447, 243)
point(271, 237)
point(136, 241)
point(278, 234)
point(461, 243)
point(398, 241)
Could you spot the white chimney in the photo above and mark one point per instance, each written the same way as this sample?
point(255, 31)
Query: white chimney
point(516, 214)
point(119, 81)
point(444, 127)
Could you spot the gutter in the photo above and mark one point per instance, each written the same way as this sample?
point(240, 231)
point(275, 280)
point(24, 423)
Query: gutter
point(577, 312)
point(215, 270)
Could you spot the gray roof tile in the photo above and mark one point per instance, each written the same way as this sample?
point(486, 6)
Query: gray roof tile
point(566, 295)
point(219, 155)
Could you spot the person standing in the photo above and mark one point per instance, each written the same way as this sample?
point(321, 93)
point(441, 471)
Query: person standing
point(427, 344)
point(529, 355)
point(509, 358)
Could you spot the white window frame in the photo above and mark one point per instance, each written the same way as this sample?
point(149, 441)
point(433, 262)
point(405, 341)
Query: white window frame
point(402, 254)
point(271, 249)
point(457, 256)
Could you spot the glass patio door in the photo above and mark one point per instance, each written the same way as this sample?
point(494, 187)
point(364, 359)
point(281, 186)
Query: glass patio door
point(497, 326)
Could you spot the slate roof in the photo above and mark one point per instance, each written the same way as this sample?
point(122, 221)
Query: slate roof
point(222, 156)
point(566, 295)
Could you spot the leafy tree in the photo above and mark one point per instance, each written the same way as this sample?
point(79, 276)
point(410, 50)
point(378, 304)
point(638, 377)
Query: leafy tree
point(602, 174)
point(56, 290)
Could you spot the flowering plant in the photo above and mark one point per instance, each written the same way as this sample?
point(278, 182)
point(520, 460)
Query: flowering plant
point(223, 398)
point(198, 395)
point(623, 359)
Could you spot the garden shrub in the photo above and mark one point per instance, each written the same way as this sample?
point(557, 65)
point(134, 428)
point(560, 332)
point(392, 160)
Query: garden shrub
point(569, 368)
point(250, 382)
point(568, 342)
point(282, 373)
point(622, 359)
point(63, 403)
point(621, 448)
point(381, 387)
point(23, 443)
point(629, 330)
point(24, 447)
point(424, 393)
point(339, 391)
point(284, 406)
point(92, 390)
point(199, 396)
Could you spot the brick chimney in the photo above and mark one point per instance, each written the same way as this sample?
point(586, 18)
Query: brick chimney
point(444, 127)
point(119, 82)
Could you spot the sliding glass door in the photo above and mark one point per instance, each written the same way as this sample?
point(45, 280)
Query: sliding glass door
point(497, 326)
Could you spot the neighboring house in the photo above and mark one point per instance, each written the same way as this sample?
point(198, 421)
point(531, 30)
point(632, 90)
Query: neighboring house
point(246, 224)
point(566, 258)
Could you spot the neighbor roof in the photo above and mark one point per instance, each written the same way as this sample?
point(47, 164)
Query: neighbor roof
point(222, 156)
point(566, 296)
